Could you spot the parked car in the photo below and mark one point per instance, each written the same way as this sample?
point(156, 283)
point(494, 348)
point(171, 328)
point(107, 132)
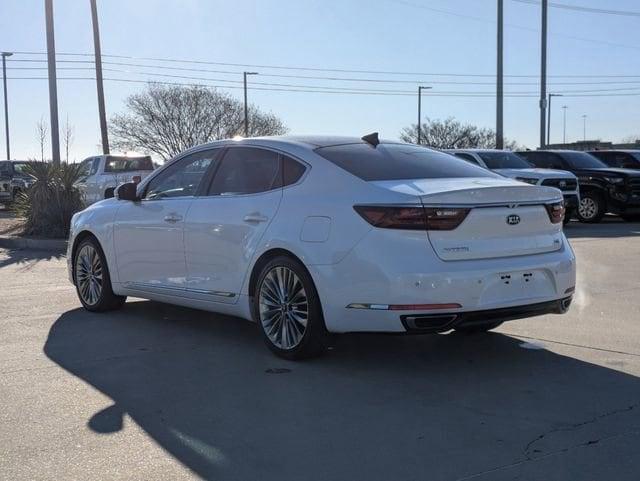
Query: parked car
point(509, 164)
point(312, 235)
point(625, 159)
point(13, 179)
point(602, 188)
point(103, 173)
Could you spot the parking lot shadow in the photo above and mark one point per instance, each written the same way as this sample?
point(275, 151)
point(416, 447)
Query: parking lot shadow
point(27, 257)
point(437, 407)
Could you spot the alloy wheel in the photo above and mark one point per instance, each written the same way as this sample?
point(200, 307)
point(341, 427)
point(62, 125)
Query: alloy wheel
point(588, 208)
point(89, 274)
point(283, 307)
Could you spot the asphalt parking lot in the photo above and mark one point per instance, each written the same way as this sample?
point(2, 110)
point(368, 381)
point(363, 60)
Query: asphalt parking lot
point(161, 392)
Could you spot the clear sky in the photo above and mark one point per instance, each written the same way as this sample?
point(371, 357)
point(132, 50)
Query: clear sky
point(419, 36)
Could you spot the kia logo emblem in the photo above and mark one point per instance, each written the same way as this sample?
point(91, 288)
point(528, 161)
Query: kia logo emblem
point(513, 219)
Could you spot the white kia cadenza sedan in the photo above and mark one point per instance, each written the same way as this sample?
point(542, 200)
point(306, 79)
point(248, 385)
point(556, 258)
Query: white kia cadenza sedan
point(315, 235)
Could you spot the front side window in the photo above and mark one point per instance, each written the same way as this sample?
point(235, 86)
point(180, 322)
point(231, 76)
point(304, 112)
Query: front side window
point(399, 162)
point(181, 179)
point(247, 170)
point(503, 160)
point(582, 160)
point(543, 160)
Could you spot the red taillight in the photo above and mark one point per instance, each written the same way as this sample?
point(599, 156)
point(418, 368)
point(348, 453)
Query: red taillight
point(445, 218)
point(391, 217)
point(556, 212)
point(412, 218)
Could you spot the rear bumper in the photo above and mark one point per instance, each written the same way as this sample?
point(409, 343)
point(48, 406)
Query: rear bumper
point(425, 323)
point(387, 269)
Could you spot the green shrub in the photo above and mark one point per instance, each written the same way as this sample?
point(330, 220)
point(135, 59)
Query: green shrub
point(51, 201)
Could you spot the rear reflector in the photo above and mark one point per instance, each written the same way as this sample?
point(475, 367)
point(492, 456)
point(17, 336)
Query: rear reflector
point(412, 218)
point(404, 307)
point(556, 212)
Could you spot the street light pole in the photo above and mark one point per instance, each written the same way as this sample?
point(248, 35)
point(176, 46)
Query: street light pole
point(420, 89)
point(499, 80)
point(549, 116)
point(543, 73)
point(246, 104)
point(53, 88)
point(6, 101)
point(99, 84)
point(584, 127)
point(564, 124)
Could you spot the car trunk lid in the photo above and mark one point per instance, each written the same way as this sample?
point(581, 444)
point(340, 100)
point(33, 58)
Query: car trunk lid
point(505, 218)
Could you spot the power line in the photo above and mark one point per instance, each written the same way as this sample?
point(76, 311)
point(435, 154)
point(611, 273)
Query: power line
point(409, 82)
point(332, 78)
point(579, 8)
point(511, 25)
point(575, 93)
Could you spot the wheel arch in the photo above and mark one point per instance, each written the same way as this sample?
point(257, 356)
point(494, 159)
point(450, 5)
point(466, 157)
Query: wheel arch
point(82, 235)
point(264, 258)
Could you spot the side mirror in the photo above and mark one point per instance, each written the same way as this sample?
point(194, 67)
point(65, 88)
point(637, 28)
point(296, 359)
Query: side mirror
point(128, 191)
point(109, 193)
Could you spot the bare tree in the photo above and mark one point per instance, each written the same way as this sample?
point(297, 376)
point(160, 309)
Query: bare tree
point(166, 120)
point(68, 133)
point(42, 130)
point(453, 134)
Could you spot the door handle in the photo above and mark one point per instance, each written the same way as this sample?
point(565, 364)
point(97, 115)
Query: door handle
point(255, 218)
point(173, 218)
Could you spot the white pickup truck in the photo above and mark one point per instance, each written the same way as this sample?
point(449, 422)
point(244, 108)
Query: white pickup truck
point(103, 173)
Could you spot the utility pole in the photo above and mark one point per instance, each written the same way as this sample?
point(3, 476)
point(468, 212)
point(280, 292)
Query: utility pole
point(420, 89)
point(6, 101)
point(564, 124)
point(246, 104)
point(500, 79)
point(549, 116)
point(53, 88)
point(99, 84)
point(584, 127)
point(543, 73)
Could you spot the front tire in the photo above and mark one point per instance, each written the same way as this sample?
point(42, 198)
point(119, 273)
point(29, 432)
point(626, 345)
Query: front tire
point(287, 309)
point(91, 275)
point(592, 208)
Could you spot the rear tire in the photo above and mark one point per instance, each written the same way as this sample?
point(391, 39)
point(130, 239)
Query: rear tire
point(91, 276)
point(287, 309)
point(478, 329)
point(591, 208)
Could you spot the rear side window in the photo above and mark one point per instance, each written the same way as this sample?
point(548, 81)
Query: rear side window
point(247, 170)
point(127, 164)
point(399, 162)
point(292, 170)
point(503, 160)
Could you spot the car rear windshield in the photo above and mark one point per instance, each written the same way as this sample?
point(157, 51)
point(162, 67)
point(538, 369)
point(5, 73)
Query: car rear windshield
point(399, 162)
point(128, 164)
point(503, 160)
point(582, 160)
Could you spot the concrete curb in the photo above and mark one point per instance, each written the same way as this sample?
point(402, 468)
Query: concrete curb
point(49, 245)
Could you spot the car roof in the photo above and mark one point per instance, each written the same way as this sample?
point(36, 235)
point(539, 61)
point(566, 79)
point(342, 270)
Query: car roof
point(615, 150)
point(479, 150)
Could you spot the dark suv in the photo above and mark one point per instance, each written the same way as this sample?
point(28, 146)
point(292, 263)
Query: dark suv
point(625, 159)
point(13, 179)
point(602, 188)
